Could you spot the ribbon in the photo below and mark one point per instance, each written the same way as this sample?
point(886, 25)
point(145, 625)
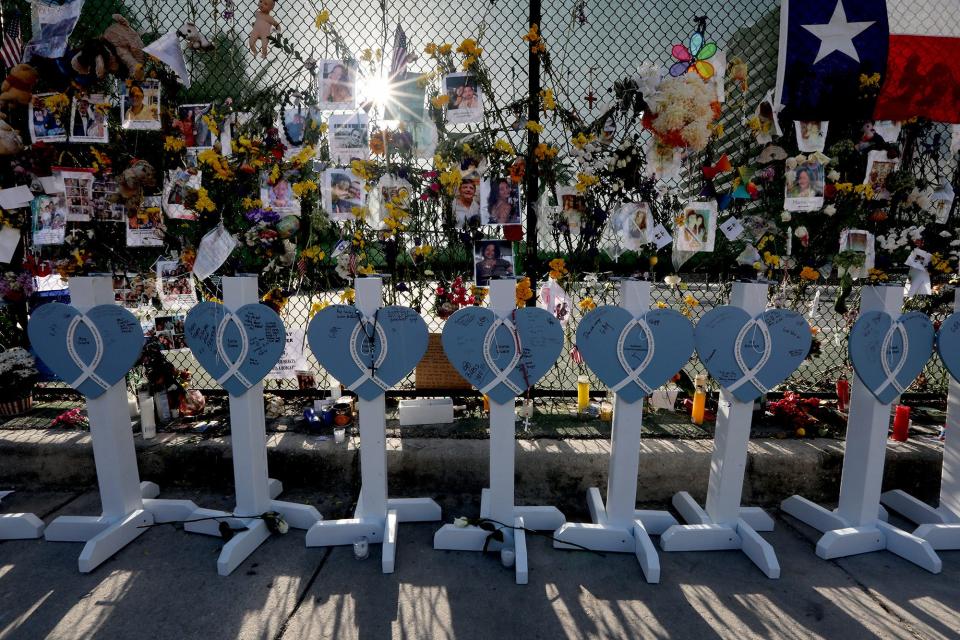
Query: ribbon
point(891, 380)
point(233, 368)
point(633, 375)
point(87, 371)
point(501, 375)
point(750, 374)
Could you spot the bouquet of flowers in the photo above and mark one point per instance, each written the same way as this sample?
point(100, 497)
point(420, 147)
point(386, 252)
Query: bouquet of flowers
point(18, 373)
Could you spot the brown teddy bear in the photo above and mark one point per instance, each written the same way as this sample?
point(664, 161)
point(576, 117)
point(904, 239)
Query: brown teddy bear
point(18, 85)
point(119, 45)
point(134, 180)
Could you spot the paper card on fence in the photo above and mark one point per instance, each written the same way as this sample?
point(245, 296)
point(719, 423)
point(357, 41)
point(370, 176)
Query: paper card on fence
point(292, 358)
point(660, 236)
point(918, 259)
point(731, 228)
point(15, 197)
point(215, 247)
point(9, 240)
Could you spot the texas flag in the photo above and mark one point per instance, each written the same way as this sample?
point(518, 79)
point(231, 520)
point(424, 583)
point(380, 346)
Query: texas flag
point(827, 45)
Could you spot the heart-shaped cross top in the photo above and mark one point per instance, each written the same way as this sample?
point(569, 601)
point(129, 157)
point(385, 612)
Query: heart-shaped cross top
point(887, 353)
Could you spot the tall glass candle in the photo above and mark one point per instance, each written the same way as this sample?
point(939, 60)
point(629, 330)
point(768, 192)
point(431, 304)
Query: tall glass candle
point(583, 393)
point(901, 423)
point(699, 399)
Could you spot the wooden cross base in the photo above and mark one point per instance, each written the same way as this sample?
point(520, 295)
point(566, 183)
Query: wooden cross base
point(704, 534)
point(938, 525)
point(453, 538)
point(603, 535)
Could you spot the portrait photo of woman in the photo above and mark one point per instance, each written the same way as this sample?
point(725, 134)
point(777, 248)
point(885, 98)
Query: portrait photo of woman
point(337, 84)
point(503, 202)
point(804, 187)
point(491, 261)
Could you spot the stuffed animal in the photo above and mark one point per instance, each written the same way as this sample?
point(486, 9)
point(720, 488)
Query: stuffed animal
point(18, 85)
point(94, 60)
point(127, 44)
point(134, 180)
point(195, 40)
point(10, 141)
point(262, 25)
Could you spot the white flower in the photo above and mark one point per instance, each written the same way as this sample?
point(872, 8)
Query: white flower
point(672, 280)
point(786, 216)
point(833, 176)
point(830, 210)
point(945, 234)
point(801, 232)
point(461, 522)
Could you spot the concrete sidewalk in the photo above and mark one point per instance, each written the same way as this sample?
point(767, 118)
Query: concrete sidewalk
point(165, 585)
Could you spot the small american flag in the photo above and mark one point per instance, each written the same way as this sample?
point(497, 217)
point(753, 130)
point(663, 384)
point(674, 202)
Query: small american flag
point(398, 65)
point(575, 355)
point(12, 49)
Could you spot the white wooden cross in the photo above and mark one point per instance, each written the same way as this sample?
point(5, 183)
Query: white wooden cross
point(724, 524)
point(129, 506)
point(940, 526)
point(255, 490)
point(497, 502)
point(619, 526)
point(858, 524)
point(376, 515)
point(19, 526)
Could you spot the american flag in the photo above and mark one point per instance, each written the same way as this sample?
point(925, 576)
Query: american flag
point(12, 50)
point(398, 65)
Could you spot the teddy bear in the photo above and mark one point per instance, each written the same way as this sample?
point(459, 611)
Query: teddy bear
point(10, 141)
point(140, 175)
point(195, 39)
point(119, 45)
point(18, 85)
point(262, 25)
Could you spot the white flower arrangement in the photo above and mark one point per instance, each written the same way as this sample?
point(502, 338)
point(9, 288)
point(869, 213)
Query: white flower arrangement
point(18, 371)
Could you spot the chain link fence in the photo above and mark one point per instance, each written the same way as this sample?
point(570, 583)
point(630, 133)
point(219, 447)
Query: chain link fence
point(592, 43)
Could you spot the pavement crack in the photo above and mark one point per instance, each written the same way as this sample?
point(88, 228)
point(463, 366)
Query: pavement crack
point(303, 594)
point(61, 505)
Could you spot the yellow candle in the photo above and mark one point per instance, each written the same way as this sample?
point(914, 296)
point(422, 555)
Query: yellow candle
point(583, 393)
point(699, 399)
point(606, 411)
point(486, 403)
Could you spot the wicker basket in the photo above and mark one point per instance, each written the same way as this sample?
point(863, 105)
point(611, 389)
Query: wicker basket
point(16, 407)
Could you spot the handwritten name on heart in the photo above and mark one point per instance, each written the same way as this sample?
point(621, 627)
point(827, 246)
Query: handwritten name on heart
point(634, 356)
point(948, 344)
point(237, 349)
point(749, 356)
point(887, 353)
point(502, 357)
point(372, 355)
point(90, 351)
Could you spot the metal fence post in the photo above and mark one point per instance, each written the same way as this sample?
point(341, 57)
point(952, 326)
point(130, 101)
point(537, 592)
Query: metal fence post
point(532, 182)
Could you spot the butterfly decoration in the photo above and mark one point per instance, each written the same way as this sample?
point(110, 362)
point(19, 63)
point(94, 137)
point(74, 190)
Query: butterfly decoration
point(694, 57)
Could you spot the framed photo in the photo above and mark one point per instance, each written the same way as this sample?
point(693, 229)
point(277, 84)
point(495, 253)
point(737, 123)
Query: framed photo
point(348, 136)
point(105, 206)
point(859, 241)
point(573, 208)
point(492, 259)
point(811, 135)
point(145, 225)
point(279, 195)
point(78, 192)
point(466, 99)
point(879, 168)
point(49, 219)
point(467, 202)
point(46, 120)
point(338, 85)
point(342, 191)
point(804, 187)
point(297, 122)
point(633, 222)
point(500, 200)
point(696, 228)
point(88, 118)
point(179, 182)
point(140, 106)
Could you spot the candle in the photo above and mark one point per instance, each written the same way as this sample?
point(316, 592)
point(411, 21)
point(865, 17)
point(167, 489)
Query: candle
point(148, 420)
point(606, 411)
point(583, 393)
point(699, 399)
point(843, 394)
point(901, 423)
point(486, 403)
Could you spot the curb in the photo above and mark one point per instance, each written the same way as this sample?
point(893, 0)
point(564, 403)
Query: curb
point(548, 471)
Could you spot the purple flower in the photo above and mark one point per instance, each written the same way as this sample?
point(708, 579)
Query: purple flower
point(263, 215)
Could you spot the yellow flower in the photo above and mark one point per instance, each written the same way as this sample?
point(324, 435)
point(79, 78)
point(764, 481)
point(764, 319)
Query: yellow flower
point(690, 301)
point(322, 18)
point(440, 101)
point(316, 308)
point(524, 292)
point(303, 187)
point(314, 253)
point(585, 181)
point(211, 124)
point(451, 179)
point(809, 274)
point(348, 295)
point(430, 49)
point(545, 152)
point(533, 35)
point(303, 156)
point(57, 102)
point(878, 275)
point(661, 304)
point(251, 203)
point(469, 48)
point(581, 140)
point(872, 80)
point(587, 304)
point(423, 251)
point(534, 126)
point(445, 49)
point(771, 259)
point(174, 144)
point(547, 99)
point(558, 268)
point(503, 146)
point(204, 203)
point(367, 270)
point(363, 169)
point(360, 213)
